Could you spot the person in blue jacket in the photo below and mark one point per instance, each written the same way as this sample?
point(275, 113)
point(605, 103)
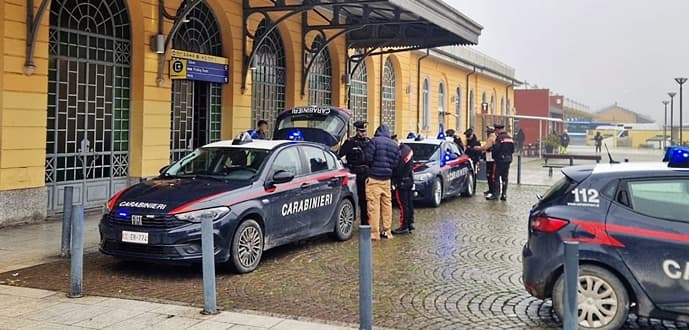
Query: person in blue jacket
point(382, 155)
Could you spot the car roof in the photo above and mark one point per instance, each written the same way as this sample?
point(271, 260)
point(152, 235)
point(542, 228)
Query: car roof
point(639, 167)
point(423, 141)
point(255, 144)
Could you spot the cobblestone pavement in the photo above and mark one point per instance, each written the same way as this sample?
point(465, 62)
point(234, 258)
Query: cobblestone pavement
point(460, 269)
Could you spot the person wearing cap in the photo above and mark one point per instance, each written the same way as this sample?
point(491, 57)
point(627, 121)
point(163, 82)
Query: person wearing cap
point(502, 153)
point(354, 151)
point(471, 142)
point(402, 185)
point(450, 133)
point(487, 149)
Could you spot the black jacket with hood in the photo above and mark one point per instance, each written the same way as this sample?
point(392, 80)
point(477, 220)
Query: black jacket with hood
point(382, 154)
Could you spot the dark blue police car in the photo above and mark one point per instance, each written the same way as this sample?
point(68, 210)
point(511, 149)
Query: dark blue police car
point(632, 222)
point(441, 170)
point(260, 194)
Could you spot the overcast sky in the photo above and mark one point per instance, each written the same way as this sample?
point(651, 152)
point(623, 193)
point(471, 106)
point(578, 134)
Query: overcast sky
point(594, 51)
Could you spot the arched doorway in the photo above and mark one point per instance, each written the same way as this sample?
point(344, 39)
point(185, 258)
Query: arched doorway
point(87, 142)
point(321, 76)
point(388, 114)
point(268, 89)
point(196, 105)
point(358, 94)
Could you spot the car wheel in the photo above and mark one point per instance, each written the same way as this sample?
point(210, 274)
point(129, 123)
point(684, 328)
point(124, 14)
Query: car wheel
point(436, 193)
point(603, 301)
point(470, 186)
point(344, 220)
point(247, 246)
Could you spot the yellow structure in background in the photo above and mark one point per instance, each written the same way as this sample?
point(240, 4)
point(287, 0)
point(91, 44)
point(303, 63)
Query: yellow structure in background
point(465, 77)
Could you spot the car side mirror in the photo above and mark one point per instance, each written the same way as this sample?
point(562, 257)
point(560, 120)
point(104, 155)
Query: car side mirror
point(282, 176)
point(163, 169)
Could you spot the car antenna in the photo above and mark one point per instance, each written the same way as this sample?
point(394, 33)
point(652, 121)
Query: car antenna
point(609, 155)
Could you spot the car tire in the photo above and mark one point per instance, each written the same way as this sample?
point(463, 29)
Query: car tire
point(247, 246)
point(344, 220)
point(470, 188)
point(436, 193)
point(615, 293)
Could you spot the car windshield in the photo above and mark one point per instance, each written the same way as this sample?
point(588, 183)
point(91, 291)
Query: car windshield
point(424, 151)
point(223, 163)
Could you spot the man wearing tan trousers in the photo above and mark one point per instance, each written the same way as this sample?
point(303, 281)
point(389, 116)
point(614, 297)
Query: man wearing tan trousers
point(382, 155)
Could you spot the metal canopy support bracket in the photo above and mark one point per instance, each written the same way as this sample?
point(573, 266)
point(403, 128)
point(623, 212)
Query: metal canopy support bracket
point(340, 19)
point(179, 19)
point(33, 22)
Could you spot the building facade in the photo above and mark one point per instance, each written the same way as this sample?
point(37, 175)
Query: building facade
point(539, 103)
point(99, 99)
point(617, 114)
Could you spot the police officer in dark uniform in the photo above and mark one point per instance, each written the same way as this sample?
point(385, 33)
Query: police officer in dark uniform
point(403, 182)
point(502, 154)
point(354, 152)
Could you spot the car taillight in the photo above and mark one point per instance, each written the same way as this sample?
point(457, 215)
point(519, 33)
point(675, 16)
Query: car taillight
point(547, 224)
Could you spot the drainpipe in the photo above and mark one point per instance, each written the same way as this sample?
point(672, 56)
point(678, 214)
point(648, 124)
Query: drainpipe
point(418, 91)
point(470, 111)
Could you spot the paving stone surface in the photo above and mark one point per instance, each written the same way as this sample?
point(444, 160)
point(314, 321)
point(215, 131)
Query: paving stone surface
point(461, 269)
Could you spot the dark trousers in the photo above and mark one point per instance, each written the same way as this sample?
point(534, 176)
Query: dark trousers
point(597, 148)
point(361, 192)
point(404, 200)
point(491, 177)
point(502, 172)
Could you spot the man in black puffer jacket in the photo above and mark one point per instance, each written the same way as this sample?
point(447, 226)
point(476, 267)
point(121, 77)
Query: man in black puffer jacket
point(382, 155)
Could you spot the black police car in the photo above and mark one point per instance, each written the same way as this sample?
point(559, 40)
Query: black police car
point(632, 222)
point(260, 194)
point(441, 170)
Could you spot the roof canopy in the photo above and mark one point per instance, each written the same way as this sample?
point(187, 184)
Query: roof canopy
point(407, 23)
point(396, 25)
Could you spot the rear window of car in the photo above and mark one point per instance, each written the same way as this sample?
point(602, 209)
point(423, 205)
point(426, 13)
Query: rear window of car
point(558, 189)
point(667, 199)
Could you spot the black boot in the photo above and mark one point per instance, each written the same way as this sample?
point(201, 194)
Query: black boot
point(401, 231)
point(503, 196)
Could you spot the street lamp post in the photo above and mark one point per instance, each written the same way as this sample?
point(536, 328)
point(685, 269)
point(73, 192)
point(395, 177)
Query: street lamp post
point(665, 126)
point(681, 82)
point(672, 117)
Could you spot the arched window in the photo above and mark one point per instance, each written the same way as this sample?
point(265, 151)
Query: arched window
point(358, 94)
point(502, 105)
point(441, 104)
point(458, 110)
point(492, 104)
point(472, 110)
point(269, 76)
point(321, 75)
point(426, 104)
point(88, 108)
point(389, 95)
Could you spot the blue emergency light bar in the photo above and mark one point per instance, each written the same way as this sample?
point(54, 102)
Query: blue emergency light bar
point(295, 135)
point(677, 157)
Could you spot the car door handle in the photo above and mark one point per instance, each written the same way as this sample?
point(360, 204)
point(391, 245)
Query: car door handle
point(306, 185)
point(333, 182)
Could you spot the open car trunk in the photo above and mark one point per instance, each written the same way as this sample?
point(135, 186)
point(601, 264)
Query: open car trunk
point(321, 124)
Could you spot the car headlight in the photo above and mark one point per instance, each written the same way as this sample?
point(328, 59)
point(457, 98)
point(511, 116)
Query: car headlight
point(198, 215)
point(423, 176)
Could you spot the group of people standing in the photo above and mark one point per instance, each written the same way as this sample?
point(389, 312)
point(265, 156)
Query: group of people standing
point(497, 152)
point(382, 165)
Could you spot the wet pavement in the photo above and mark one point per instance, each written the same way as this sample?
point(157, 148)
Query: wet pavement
point(461, 269)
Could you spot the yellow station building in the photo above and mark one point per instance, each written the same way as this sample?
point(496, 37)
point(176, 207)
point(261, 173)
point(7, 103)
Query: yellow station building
point(87, 99)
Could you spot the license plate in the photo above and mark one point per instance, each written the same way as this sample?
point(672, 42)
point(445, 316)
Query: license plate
point(134, 237)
